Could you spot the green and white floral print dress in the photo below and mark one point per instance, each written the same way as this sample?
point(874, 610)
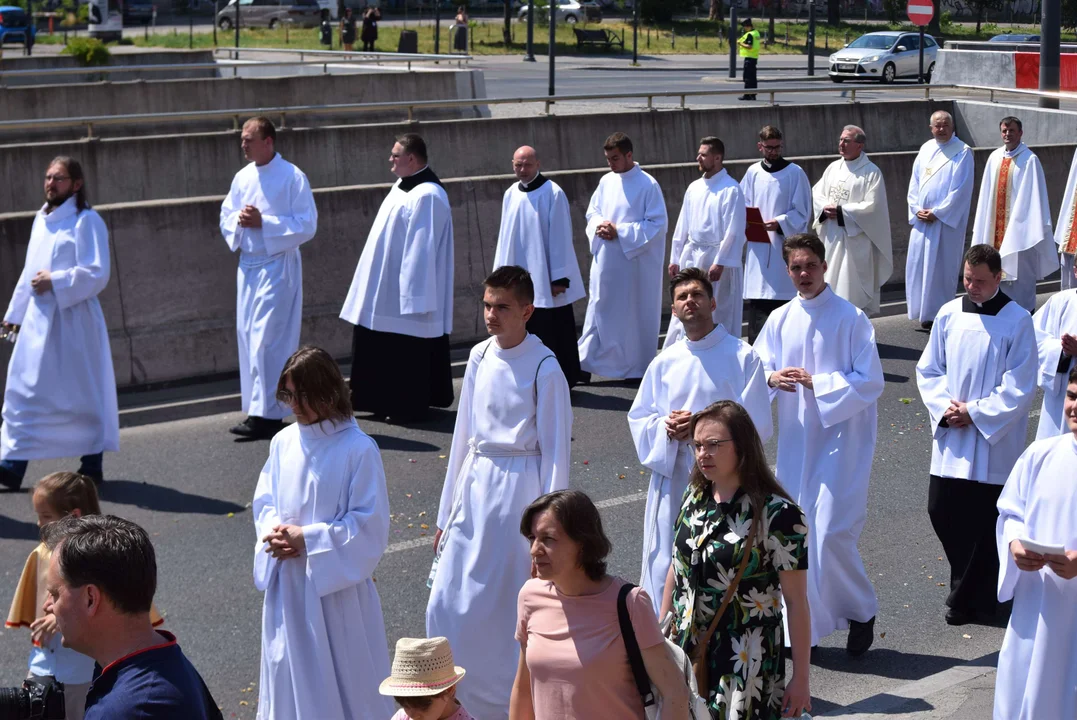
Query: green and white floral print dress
point(746, 670)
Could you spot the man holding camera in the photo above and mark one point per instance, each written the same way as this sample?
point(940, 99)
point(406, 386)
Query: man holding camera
point(101, 581)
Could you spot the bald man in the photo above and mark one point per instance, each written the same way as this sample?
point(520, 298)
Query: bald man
point(940, 195)
point(536, 234)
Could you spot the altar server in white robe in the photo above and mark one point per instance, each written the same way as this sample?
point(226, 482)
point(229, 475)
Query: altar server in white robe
point(321, 513)
point(1056, 334)
point(708, 364)
point(510, 445)
point(1014, 217)
point(60, 396)
point(853, 221)
point(401, 297)
point(1037, 666)
point(781, 191)
point(626, 228)
point(1066, 228)
point(827, 409)
point(977, 378)
point(268, 213)
point(536, 234)
point(710, 235)
point(940, 195)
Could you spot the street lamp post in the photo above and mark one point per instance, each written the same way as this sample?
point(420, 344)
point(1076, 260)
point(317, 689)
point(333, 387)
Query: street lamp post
point(553, 43)
point(529, 56)
point(1050, 48)
point(437, 27)
point(635, 31)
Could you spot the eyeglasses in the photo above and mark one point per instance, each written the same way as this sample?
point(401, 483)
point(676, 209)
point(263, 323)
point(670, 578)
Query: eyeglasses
point(57, 178)
point(774, 148)
point(290, 398)
point(710, 446)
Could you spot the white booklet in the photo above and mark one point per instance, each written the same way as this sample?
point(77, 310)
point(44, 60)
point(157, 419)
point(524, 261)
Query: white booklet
point(1041, 548)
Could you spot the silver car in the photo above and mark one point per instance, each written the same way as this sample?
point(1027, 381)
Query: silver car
point(568, 11)
point(270, 13)
point(883, 56)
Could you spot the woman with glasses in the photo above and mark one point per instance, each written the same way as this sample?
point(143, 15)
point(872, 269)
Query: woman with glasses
point(739, 528)
point(321, 512)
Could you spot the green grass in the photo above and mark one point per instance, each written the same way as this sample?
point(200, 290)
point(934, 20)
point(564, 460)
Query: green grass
point(687, 37)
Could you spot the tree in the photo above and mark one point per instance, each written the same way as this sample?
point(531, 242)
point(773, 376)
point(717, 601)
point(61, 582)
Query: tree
point(935, 27)
point(716, 10)
point(656, 11)
point(833, 12)
point(507, 30)
point(980, 7)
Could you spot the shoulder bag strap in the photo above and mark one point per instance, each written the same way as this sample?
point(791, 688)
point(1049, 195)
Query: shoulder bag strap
point(700, 649)
point(635, 657)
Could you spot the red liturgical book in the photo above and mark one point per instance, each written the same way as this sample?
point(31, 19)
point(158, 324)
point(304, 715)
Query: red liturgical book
point(754, 230)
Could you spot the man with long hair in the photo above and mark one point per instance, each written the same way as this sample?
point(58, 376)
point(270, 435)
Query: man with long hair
point(511, 443)
point(321, 514)
point(60, 397)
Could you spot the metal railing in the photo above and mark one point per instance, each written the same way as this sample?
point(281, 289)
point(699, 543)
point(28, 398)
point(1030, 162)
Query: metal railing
point(1001, 46)
point(372, 57)
point(285, 113)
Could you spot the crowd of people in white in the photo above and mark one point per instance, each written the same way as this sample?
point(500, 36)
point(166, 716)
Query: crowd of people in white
point(808, 262)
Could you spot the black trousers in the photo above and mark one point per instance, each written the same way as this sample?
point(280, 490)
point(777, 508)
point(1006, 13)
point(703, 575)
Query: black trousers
point(758, 312)
point(964, 515)
point(750, 82)
point(400, 376)
point(556, 328)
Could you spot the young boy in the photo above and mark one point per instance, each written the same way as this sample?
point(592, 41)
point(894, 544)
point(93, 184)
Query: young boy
point(423, 681)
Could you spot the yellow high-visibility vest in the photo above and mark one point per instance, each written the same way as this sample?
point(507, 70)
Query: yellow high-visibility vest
point(753, 51)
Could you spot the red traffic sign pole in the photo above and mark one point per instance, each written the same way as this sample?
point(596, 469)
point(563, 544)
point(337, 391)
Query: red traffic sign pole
point(920, 13)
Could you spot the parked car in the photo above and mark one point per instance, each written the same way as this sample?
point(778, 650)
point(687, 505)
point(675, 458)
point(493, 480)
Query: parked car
point(270, 13)
point(15, 26)
point(883, 56)
point(568, 11)
point(137, 11)
point(1010, 37)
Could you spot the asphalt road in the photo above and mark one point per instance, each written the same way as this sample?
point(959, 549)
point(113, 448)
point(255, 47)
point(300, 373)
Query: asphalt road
point(190, 484)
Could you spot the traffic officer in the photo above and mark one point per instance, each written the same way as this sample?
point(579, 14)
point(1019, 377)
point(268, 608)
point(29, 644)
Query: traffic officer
point(749, 44)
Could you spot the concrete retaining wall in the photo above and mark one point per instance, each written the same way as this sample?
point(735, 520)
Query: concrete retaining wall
point(974, 67)
point(174, 96)
point(127, 170)
point(157, 57)
point(978, 123)
point(170, 305)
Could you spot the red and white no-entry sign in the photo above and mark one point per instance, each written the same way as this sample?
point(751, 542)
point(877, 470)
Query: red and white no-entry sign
point(920, 12)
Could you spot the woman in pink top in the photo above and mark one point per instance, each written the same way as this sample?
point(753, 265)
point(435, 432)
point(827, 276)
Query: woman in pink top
point(573, 662)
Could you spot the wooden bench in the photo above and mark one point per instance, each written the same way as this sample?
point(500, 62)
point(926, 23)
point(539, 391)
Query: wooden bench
point(603, 38)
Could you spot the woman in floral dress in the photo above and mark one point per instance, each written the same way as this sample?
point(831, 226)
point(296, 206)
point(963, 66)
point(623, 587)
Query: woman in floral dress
point(744, 657)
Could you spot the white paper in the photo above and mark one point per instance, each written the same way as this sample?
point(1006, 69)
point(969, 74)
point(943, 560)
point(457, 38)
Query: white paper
point(1042, 549)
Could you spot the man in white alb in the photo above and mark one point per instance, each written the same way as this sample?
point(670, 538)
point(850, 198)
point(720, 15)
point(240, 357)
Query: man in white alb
point(1014, 217)
point(710, 235)
point(626, 228)
point(827, 408)
point(1056, 335)
point(708, 364)
point(940, 194)
point(60, 396)
point(782, 193)
point(400, 299)
point(536, 234)
point(1066, 228)
point(510, 445)
point(977, 378)
point(1037, 666)
point(268, 213)
point(853, 221)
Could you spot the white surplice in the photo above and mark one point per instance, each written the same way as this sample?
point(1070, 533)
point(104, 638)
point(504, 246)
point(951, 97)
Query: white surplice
point(710, 231)
point(404, 280)
point(1057, 316)
point(1027, 246)
point(536, 234)
point(689, 375)
point(269, 282)
point(60, 398)
point(942, 182)
point(324, 649)
point(826, 442)
point(510, 445)
point(624, 307)
point(858, 250)
point(1066, 228)
point(784, 196)
point(989, 362)
point(1037, 666)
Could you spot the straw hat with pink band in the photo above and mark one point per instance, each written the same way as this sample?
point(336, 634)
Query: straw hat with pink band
point(421, 667)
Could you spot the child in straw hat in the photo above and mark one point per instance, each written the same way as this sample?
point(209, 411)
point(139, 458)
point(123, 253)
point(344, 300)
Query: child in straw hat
point(423, 681)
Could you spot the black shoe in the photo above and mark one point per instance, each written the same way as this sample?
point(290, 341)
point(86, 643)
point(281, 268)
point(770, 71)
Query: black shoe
point(9, 479)
point(861, 636)
point(926, 325)
point(746, 97)
point(257, 428)
point(97, 478)
point(959, 617)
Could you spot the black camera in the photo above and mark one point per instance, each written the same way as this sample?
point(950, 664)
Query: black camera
point(39, 698)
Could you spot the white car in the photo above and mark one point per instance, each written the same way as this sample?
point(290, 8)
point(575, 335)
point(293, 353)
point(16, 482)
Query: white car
point(883, 56)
